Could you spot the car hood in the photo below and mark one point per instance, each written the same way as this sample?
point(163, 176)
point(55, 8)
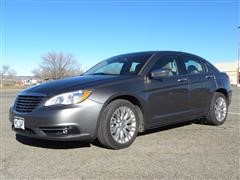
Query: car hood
point(71, 84)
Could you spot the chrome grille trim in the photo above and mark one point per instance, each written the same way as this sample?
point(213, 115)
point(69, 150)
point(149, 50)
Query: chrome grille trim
point(25, 103)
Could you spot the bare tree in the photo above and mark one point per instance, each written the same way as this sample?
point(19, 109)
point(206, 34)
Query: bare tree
point(8, 76)
point(7, 72)
point(5, 69)
point(57, 66)
point(11, 74)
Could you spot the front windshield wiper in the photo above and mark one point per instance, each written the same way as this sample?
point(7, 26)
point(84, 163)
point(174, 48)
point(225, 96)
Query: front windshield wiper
point(102, 74)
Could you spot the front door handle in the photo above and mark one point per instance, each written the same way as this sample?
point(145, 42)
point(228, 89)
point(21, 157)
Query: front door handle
point(182, 79)
point(209, 76)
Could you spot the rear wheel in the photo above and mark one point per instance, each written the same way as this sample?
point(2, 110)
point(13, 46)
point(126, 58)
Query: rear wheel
point(118, 125)
point(218, 110)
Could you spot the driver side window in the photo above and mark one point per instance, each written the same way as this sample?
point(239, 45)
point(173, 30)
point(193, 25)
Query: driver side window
point(167, 62)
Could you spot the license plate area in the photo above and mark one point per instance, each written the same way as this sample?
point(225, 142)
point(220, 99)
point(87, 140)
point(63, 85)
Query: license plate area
point(18, 123)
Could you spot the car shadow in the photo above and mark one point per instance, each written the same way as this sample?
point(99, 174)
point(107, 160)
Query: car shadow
point(51, 144)
point(164, 128)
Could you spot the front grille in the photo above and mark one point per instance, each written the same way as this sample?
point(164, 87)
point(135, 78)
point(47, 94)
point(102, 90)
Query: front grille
point(27, 103)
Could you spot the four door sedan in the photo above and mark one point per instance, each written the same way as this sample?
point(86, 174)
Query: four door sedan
point(122, 96)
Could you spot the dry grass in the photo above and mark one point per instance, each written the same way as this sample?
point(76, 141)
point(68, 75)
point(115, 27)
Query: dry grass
point(10, 88)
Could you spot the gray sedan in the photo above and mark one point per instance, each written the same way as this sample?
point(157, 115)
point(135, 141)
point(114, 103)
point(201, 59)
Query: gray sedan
point(122, 96)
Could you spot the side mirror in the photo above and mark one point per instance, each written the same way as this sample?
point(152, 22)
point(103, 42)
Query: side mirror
point(160, 73)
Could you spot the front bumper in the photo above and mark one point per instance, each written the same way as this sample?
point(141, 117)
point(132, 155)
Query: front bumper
point(64, 123)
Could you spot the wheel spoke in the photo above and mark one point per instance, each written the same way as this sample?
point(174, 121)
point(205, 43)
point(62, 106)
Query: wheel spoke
point(127, 135)
point(131, 119)
point(129, 128)
point(114, 129)
point(121, 136)
point(118, 134)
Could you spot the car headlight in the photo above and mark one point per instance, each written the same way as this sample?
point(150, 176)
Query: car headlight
point(69, 98)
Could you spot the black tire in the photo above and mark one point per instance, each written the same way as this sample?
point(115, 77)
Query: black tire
point(211, 116)
point(104, 133)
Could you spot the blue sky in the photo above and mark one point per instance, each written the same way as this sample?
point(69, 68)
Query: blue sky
point(95, 30)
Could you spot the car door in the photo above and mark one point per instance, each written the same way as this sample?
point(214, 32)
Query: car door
point(200, 84)
point(167, 96)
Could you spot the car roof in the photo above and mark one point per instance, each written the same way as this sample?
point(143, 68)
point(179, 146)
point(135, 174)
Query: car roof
point(160, 53)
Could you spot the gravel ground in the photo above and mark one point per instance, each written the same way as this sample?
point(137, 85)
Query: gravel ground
point(186, 151)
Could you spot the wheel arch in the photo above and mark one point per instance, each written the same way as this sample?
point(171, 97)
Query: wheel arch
point(135, 101)
point(224, 92)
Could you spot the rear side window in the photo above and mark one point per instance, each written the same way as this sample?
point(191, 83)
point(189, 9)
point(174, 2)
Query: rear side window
point(193, 65)
point(211, 68)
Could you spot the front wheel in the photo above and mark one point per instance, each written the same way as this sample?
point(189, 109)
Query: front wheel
point(118, 126)
point(218, 110)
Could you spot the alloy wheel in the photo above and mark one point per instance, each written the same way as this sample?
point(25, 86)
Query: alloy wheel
point(220, 109)
point(123, 124)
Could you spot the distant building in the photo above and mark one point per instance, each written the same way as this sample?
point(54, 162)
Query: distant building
point(231, 69)
point(29, 82)
point(26, 80)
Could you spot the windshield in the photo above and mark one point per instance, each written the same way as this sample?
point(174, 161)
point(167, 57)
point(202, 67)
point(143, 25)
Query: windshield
point(120, 65)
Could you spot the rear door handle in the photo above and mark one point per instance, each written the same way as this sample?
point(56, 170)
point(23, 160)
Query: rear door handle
point(209, 76)
point(182, 79)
